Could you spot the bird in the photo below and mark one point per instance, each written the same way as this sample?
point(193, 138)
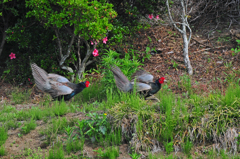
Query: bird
point(144, 82)
point(57, 86)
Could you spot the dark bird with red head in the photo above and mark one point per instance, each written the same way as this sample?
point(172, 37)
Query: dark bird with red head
point(144, 82)
point(57, 86)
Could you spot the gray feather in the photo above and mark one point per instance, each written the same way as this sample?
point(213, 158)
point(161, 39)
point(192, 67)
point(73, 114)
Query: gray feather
point(121, 80)
point(142, 76)
point(53, 84)
point(41, 77)
point(141, 86)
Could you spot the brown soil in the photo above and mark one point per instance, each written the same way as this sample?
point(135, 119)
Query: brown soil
point(208, 58)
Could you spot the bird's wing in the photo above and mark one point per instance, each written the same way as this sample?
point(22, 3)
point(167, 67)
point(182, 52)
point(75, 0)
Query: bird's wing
point(142, 86)
point(58, 78)
point(41, 77)
point(61, 80)
point(121, 80)
point(142, 76)
point(58, 89)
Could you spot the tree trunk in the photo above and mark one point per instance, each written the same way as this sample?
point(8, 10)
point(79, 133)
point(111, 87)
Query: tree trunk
point(185, 51)
point(81, 70)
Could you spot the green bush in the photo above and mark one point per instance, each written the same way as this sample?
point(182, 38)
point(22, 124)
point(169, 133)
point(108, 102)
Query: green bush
point(128, 64)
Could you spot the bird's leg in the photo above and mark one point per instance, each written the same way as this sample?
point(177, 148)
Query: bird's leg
point(152, 97)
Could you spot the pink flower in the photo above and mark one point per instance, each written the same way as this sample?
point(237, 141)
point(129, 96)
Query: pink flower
point(28, 79)
point(91, 43)
point(105, 40)
point(12, 56)
point(150, 16)
point(95, 53)
point(157, 17)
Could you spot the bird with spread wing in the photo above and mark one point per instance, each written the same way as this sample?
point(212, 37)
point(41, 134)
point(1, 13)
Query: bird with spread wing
point(144, 82)
point(57, 86)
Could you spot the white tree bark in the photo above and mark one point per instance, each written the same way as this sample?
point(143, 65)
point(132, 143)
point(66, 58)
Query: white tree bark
point(82, 64)
point(183, 31)
point(64, 57)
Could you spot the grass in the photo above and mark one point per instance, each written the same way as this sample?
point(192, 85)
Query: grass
point(189, 121)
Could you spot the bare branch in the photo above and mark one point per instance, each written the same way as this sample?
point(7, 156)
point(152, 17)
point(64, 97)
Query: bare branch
point(170, 17)
point(89, 62)
point(89, 51)
point(68, 50)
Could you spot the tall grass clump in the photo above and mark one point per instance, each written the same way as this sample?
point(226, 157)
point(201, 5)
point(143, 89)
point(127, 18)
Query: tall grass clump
point(2, 150)
point(20, 96)
point(3, 138)
point(3, 135)
point(60, 108)
point(232, 96)
point(28, 126)
point(95, 92)
point(54, 126)
point(56, 152)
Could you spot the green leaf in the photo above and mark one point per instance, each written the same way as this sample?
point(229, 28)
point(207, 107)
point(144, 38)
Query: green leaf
point(7, 71)
point(103, 129)
point(147, 49)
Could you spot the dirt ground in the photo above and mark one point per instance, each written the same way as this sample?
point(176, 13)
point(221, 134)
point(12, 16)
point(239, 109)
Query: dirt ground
point(211, 60)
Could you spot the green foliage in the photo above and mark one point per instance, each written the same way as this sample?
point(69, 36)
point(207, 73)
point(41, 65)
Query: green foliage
point(94, 127)
point(30, 39)
point(128, 65)
point(3, 135)
point(168, 147)
point(74, 146)
point(94, 15)
point(93, 93)
point(34, 154)
point(54, 127)
point(110, 152)
point(187, 146)
point(185, 83)
point(130, 14)
point(31, 125)
point(236, 50)
point(19, 96)
point(73, 143)
point(2, 150)
point(87, 20)
point(175, 65)
point(60, 108)
point(135, 155)
point(147, 54)
point(56, 152)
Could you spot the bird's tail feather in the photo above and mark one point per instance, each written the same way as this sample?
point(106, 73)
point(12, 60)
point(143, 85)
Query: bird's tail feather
point(40, 77)
point(121, 80)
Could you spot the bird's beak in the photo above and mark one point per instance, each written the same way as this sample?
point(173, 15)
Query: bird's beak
point(165, 80)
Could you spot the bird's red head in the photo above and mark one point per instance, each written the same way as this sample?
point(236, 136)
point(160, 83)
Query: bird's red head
point(161, 80)
point(87, 83)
